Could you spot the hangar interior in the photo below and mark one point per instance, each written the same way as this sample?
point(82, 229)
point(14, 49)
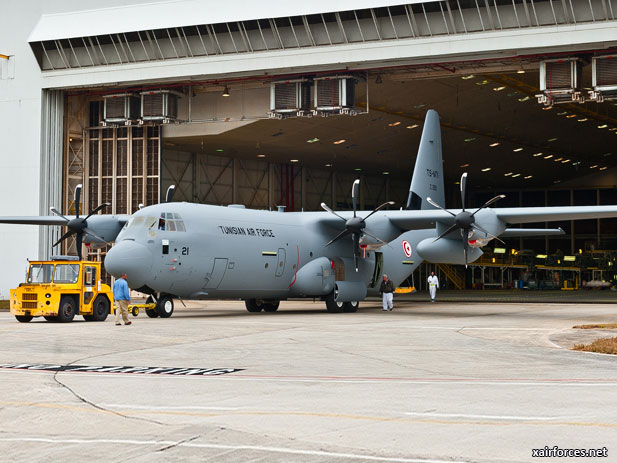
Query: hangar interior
point(539, 128)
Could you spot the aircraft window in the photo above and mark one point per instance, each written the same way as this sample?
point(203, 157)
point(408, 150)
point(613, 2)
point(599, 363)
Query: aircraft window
point(180, 225)
point(171, 221)
point(177, 216)
point(161, 223)
point(171, 226)
point(136, 221)
point(66, 273)
point(150, 221)
point(40, 273)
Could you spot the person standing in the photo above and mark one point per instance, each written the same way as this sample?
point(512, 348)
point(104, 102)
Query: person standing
point(387, 289)
point(122, 299)
point(433, 284)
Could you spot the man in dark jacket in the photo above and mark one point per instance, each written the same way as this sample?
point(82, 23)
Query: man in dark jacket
point(387, 289)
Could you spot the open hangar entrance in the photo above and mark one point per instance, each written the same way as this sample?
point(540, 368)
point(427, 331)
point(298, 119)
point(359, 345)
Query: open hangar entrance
point(222, 146)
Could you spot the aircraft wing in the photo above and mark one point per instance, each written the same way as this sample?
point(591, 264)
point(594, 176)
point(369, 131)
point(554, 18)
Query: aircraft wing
point(526, 232)
point(548, 214)
point(34, 220)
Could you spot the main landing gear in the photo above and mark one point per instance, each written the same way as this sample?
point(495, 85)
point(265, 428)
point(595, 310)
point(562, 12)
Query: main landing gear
point(334, 306)
point(257, 305)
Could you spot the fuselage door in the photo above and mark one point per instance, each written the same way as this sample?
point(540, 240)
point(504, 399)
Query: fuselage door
point(280, 266)
point(217, 273)
point(378, 269)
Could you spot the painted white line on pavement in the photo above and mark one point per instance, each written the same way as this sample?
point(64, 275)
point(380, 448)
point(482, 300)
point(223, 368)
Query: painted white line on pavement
point(319, 453)
point(487, 417)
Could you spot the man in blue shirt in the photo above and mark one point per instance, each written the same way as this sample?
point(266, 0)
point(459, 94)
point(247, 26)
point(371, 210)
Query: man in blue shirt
point(122, 298)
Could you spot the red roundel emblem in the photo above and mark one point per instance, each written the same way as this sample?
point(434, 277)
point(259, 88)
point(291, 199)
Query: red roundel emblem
point(407, 248)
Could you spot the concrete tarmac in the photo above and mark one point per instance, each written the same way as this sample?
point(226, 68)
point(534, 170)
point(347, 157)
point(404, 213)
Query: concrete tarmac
point(442, 382)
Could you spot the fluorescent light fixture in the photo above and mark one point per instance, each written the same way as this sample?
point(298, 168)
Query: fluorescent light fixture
point(557, 159)
point(499, 251)
point(569, 258)
point(357, 169)
point(528, 177)
point(261, 155)
point(469, 139)
point(499, 89)
point(470, 76)
point(565, 161)
point(386, 173)
point(548, 157)
point(328, 165)
point(603, 168)
point(553, 139)
point(541, 256)
point(594, 166)
point(562, 113)
point(313, 140)
point(484, 82)
point(394, 124)
point(338, 142)
point(493, 145)
point(508, 174)
point(583, 119)
point(516, 150)
point(516, 175)
point(293, 160)
point(486, 169)
point(537, 154)
point(525, 98)
point(547, 108)
point(603, 126)
point(418, 106)
point(570, 116)
point(220, 150)
point(414, 126)
point(464, 165)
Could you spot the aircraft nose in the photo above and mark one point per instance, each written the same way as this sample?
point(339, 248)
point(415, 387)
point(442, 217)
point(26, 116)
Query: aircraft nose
point(131, 258)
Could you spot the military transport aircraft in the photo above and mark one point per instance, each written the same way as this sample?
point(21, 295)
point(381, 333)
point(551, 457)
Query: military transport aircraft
point(195, 251)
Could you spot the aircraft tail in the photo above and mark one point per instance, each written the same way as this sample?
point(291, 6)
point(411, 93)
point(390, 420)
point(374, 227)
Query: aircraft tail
point(427, 180)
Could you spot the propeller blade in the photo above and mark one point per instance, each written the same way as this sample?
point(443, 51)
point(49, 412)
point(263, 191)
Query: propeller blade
point(463, 188)
point(170, 193)
point(465, 246)
point(355, 261)
point(55, 211)
point(77, 199)
point(355, 190)
point(63, 237)
point(94, 235)
point(326, 208)
point(98, 208)
point(489, 202)
point(79, 239)
point(448, 231)
point(478, 227)
point(389, 203)
point(356, 249)
point(374, 237)
point(339, 236)
point(433, 203)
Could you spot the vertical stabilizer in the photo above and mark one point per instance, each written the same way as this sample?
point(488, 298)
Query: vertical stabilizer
point(427, 180)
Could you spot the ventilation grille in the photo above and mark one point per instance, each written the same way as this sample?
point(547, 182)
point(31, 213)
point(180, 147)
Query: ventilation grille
point(29, 296)
point(606, 72)
point(559, 75)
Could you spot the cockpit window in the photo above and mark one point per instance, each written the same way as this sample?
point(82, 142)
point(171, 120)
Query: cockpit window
point(136, 221)
point(170, 221)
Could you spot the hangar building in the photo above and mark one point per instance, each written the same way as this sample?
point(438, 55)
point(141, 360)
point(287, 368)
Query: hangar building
point(286, 103)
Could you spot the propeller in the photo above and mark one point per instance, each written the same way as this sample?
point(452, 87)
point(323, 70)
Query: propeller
point(79, 225)
point(356, 225)
point(465, 221)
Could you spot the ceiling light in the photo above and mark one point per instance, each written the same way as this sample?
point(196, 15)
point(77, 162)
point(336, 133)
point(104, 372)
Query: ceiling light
point(357, 169)
point(541, 256)
point(220, 150)
point(312, 140)
point(603, 126)
point(386, 173)
point(553, 139)
point(328, 165)
point(547, 108)
point(525, 98)
point(293, 160)
point(537, 154)
point(516, 175)
point(565, 161)
point(499, 250)
point(470, 76)
point(418, 106)
point(603, 168)
point(528, 177)
point(562, 113)
point(394, 124)
point(493, 145)
point(464, 165)
point(261, 155)
point(516, 150)
point(413, 126)
point(557, 159)
point(594, 166)
point(508, 174)
point(570, 116)
point(484, 82)
point(499, 89)
point(486, 169)
point(548, 157)
point(469, 139)
point(569, 258)
point(612, 129)
point(338, 142)
point(582, 120)
point(226, 91)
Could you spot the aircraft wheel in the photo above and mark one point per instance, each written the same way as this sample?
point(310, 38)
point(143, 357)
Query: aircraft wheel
point(351, 306)
point(332, 305)
point(271, 306)
point(50, 318)
point(152, 313)
point(68, 309)
point(100, 309)
point(254, 305)
point(165, 306)
point(24, 318)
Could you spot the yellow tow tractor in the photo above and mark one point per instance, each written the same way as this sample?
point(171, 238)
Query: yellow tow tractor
point(60, 289)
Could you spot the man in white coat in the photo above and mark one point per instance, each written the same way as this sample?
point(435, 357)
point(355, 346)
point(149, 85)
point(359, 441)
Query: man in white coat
point(433, 284)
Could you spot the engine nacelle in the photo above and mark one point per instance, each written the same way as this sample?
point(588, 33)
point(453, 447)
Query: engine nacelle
point(446, 251)
point(346, 291)
point(314, 279)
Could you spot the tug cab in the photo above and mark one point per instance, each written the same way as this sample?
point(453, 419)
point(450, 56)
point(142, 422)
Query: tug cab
point(60, 289)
